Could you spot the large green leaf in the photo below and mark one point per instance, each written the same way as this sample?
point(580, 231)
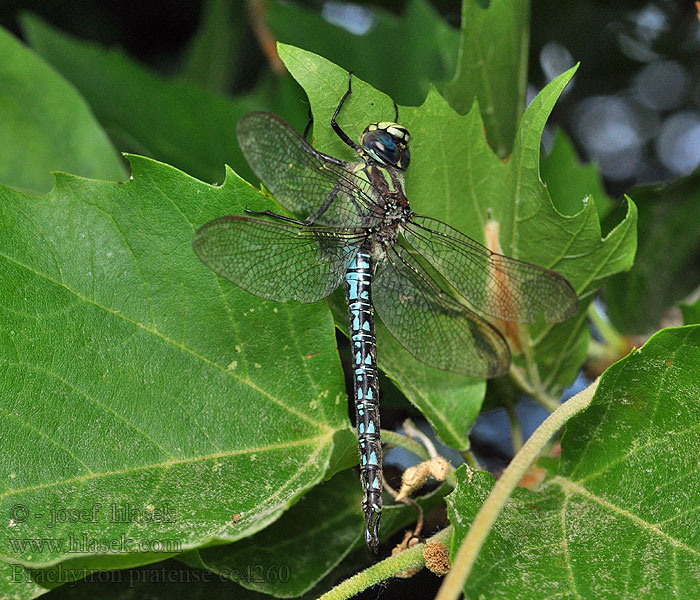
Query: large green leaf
point(45, 125)
point(493, 67)
point(382, 56)
point(16, 583)
point(620, 517)
point(133, 377)
point(454, 176)
point(667, 266)
point(165, 580)
point(173, 121)
point(327, 523)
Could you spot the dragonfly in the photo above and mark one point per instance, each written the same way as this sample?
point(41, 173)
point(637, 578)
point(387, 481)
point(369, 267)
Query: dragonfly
point(430, 285)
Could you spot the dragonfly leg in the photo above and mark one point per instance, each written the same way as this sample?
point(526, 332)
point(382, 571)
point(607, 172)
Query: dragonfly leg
point(308, 125)
point(269, 213)
point(311, 219)
point(396, 112)
point(341, 134)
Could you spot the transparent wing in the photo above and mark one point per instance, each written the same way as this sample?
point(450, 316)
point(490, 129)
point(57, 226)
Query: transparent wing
point(277, 261)
point(502, 287)
point(306, 182)
point(432, 326)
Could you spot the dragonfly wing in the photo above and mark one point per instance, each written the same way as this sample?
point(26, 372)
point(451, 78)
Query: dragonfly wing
point(499, 286)
point(306, 182)
point(431, 325)
point(276, 261)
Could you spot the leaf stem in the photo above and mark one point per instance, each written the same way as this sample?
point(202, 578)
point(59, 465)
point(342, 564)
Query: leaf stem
point(401, 441)
point(413, 432)
point(538, 394)
point(597, 351)
point(470, 459)
point(378, 572)
point(516, 434)
point(481, 526)
point(614, 340)
point(530, 364)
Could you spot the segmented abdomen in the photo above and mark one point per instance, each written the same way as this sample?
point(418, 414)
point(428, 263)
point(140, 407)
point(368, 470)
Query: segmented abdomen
point(358, 279)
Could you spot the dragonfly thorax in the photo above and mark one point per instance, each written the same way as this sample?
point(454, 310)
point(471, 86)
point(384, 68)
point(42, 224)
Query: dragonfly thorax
point(387, 143)
point(386, 235)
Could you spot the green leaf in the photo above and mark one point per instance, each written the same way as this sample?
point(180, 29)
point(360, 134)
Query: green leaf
point(570, 183)
point(327, 524)
point(493, 67)
point(134, 377)
point(622, 512)
point(454, 176)
point(451, 402)
point(45, 125)
point(378, 55)
point(667, 266)
point(16, 583)
point(171, 120)
point(210, 59)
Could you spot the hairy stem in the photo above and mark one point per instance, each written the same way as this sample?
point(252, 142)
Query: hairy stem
point(385, 569)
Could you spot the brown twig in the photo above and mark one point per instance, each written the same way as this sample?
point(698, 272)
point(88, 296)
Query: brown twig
point(266, 40)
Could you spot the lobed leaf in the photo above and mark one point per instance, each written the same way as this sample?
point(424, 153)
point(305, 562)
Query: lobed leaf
point(133, 377)
point(571, 183)
point(455, 177)
point(621, 512)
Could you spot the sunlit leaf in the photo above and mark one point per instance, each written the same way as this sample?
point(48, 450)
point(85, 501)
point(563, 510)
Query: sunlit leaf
point(621, 514)
point(134, 377)
point(454, 176)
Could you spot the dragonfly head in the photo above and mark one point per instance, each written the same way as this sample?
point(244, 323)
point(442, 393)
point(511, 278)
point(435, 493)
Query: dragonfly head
point(387, 143)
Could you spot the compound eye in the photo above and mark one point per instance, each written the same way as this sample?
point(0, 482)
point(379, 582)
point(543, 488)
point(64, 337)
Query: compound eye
point(386, 148)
